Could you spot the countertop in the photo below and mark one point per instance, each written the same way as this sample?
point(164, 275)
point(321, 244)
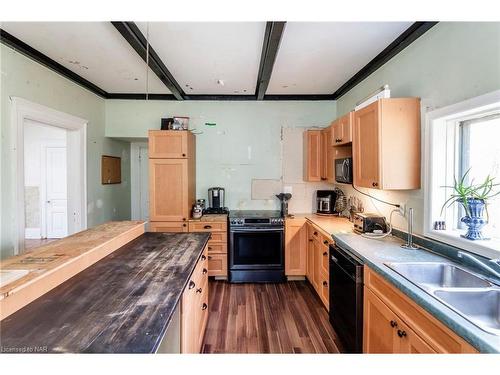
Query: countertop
point(375, 253)
point(121, 304)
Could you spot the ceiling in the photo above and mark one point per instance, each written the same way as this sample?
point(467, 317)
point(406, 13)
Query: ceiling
point(212, 58)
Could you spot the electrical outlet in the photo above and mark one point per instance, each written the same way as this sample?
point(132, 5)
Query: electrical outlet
point(402, 209)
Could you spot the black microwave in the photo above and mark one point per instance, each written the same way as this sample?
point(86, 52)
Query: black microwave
point(343, 170)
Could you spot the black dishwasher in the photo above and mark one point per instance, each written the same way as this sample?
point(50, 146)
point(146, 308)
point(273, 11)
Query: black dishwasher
point(346, 298)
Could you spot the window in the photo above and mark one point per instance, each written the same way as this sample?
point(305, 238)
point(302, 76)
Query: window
point(462, 138)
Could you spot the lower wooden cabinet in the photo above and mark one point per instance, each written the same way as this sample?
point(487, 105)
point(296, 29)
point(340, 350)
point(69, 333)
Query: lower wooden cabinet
point(217, 265)
point(194, 307)
point(393, 323)
point(295, 247)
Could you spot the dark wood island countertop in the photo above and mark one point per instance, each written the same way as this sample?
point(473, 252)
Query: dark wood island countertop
point(121, 304)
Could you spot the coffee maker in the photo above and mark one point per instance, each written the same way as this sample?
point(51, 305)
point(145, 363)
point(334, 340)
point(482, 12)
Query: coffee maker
point(325, 202)
point(216, 197)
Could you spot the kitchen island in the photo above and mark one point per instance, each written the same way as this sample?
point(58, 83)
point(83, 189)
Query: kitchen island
point(122, 304)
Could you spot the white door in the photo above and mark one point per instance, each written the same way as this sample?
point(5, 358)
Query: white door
point(56, 204)
point(144, 183)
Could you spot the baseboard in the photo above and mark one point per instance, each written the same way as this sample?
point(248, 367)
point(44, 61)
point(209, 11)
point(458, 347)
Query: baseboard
point(295, 278)
point(32, 233)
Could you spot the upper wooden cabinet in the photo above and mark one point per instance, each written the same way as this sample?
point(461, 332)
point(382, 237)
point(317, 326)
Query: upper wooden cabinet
point(312, 155)
point(327, 155)
point(342, 130)
point(386, 144)
point(171, 144)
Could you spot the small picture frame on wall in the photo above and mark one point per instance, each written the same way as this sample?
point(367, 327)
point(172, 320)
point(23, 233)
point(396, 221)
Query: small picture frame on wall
point(111, 170)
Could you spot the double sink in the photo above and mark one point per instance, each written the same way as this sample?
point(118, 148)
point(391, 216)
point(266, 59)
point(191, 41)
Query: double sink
point(468, 294)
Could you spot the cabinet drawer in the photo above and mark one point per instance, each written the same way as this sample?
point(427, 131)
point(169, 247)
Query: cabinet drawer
point(168, 226)
point(217, 247)
point(207, 227)
point(217, 265)
point(435, 333)
point(220, 237)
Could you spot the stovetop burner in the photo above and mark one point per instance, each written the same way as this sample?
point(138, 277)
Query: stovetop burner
point(216, 211)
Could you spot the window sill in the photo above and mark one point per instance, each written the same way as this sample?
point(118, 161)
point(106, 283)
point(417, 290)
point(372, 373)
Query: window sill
point(487, 248)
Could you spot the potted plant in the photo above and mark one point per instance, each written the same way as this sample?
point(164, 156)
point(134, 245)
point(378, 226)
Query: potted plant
point(474, 199)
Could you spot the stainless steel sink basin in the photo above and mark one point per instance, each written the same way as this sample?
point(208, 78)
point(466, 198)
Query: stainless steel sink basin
point(468, 294)
point(439, 275)
point(480, 307)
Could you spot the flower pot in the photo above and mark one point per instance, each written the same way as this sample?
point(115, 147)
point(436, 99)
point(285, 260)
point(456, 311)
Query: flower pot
point(475, 220)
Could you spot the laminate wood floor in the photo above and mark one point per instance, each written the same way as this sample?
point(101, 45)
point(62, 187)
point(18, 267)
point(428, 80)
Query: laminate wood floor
point(267, 318)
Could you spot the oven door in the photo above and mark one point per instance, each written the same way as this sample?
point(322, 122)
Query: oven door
point(256, 248)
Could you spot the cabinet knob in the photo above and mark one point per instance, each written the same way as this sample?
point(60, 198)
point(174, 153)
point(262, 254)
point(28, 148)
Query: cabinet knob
point(204, 271)
point(325, 242)
point(184, 225)
point(401, 333)
point(204, 307)
point(340, 140)
point(325, 254)
point(210, 248)
point(199, 290)
point(207, 227)
point(394, 324)
point(315, 233)
point(183, 155)
point(203, 257)
point(311, 240)
point(325, 283)
point(183, 219)
point(191, 284)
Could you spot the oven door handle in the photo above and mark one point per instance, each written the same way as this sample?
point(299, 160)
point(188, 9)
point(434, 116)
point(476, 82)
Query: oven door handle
point(260, 230)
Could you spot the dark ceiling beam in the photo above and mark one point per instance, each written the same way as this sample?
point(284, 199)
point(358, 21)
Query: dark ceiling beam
point(140, 96)
point(23, 48)
point(411, 34)
point(272, 39)
point(137, 40)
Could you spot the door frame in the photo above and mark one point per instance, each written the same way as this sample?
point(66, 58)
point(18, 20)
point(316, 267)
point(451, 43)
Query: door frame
point(43, 183)
point(135, 178)
point(23, 109)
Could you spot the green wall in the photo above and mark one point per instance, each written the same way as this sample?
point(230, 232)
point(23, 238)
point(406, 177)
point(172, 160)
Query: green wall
point(448, 64)
point(244, 144)
point(22, 77)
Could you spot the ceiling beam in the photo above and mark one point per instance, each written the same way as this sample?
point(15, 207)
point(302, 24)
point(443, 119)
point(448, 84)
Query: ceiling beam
point(272, 39)
point(411, 34)
point(30, 52)
point(138, 42)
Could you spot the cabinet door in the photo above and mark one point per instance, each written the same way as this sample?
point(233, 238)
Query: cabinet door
point(326, 154)
point(345, 129)
point(295, 247)
point(409, 342)
point(310, 254)
point(379, 326)
point(312, 155)
point(365, 144)
point(316, 280)
point(324, 291)
point(168, 190)
point(217, 264)
point(165, 144)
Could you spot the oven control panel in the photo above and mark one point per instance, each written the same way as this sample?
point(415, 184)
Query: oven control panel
point(273, 221)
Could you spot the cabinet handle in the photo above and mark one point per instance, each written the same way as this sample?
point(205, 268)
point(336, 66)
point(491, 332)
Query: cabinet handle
point(325, 242)
point(205, 271)
point(394, 324)
point(204, 307)
point(209, 257)
point(323, 178)
point(199, 290)
point(374, 184)
point(203, 257)
point(207, 227)
point(191, 284)
point(183, 219)
point(325, 284)
point(315, 233)
point(210, 248)
point(325, 254)
point(311, 240)
point(401, 334)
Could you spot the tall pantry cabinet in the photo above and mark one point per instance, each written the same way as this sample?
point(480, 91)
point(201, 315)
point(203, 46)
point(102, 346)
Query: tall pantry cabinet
point(172, 176)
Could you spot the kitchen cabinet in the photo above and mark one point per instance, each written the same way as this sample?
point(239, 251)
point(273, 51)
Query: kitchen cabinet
point(393, 323)
point(168, 226)
point(216, 225)
point(312, 155)
point(194, 307)
point(310, 253)
point(342, 130)
point(327, 155)
point(386, 144)
point(171, 144)
point(295, 247)
point(172, 174)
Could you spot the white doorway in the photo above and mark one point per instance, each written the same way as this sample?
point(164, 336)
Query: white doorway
point(51, 178)
point(139, 171)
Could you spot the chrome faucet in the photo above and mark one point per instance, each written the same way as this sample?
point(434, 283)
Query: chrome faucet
point(409, 243)
point(488, 266)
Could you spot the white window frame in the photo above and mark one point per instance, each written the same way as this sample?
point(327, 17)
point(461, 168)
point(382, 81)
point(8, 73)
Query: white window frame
point(437, 121)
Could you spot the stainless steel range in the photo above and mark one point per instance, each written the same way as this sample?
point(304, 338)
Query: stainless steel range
point(256, 247)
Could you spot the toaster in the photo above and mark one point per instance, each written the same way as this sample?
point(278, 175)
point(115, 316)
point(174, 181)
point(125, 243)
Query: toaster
point(367, 223)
